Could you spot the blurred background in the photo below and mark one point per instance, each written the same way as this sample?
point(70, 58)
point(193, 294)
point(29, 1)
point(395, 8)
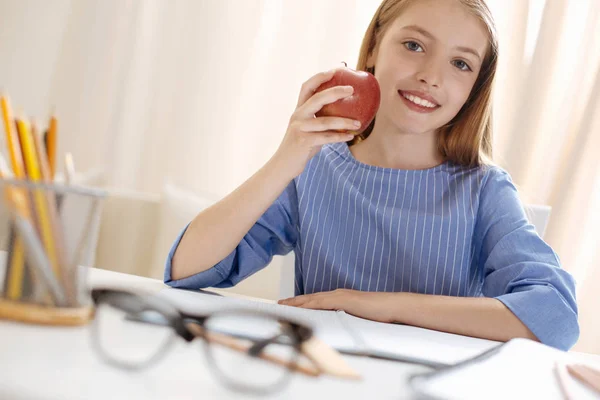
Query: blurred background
point(173, 104)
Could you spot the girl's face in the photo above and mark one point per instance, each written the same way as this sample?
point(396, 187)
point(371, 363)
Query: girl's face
point(430, 55)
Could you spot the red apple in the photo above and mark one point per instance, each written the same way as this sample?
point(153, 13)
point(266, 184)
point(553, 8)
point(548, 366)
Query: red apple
point(362, 105)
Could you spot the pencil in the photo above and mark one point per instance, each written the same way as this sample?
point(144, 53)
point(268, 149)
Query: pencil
point(69, 169)
point(562, 382)
point(586, 375)
point(13, 285)
point(12, 141)
point(43, 220)
point(15, 274)
point(50, 142)
point(24, 225)
point(53, 214)
point(37, 257)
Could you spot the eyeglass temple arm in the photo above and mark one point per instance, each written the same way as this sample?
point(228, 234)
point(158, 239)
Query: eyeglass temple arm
point(197, 322)
point(257, 348)
point(238, 345)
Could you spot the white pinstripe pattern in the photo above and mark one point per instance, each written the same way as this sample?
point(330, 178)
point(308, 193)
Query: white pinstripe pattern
point(437, 266)
point(423, 235)
point(312, 246)
point(301, 204)
point(376, 234)
point(353, 267)
point(428, 267)
point(392, 240)
point(364, 267)
point(347, 219)
point(362, 220)
point(335, 246)
point(328, 188)
point(448, 239)
point(412, 195)
point(398, 232)
point(297, 276)
point(465, 244)
point(412, 253)
point(475, 271)
point(331, 200)
point(458, 223)
point(469, 280)
point(390, 246)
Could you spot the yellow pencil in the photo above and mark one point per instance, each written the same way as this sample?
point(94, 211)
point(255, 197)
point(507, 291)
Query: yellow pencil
point(53, 215)
point(43, 219)
point(50, 141)
point(12, 141)
point(16, 262)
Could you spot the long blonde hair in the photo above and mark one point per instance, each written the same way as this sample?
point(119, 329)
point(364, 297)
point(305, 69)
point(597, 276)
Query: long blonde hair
point(467, 138)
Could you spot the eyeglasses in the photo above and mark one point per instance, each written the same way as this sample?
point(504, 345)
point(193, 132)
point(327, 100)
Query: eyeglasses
point(248, 351)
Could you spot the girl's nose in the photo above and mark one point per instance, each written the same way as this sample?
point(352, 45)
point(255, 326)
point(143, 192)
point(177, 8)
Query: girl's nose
point(430, 74)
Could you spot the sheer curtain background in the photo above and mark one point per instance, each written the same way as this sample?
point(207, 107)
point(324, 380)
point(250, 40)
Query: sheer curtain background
point(199, 93)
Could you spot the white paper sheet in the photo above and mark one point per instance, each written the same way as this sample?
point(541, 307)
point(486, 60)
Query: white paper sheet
point(347, 333)
point(392, 340)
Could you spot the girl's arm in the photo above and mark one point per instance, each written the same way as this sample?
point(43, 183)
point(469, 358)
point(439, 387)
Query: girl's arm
point(215, 232)
point(480, 317)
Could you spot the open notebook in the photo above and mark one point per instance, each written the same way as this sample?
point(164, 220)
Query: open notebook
point(519, 369)
point(347, 333)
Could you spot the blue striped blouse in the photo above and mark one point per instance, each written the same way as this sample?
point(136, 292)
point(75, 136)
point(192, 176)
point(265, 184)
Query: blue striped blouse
point(447, 230)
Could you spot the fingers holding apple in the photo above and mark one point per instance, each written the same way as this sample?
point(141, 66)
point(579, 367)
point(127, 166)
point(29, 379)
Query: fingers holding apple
point(304, 116)
point(332, 107)
point(361, 105)
point(310, 86)
point(323, 98)
point(323, 124)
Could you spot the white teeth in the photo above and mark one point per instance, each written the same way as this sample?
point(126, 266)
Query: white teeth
point(419, 101)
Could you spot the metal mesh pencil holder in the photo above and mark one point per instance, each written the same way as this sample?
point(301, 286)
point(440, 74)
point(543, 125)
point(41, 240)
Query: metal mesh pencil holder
point(46, 241)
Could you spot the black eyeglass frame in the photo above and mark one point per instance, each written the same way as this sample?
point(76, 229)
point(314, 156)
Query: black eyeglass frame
point(135, 304)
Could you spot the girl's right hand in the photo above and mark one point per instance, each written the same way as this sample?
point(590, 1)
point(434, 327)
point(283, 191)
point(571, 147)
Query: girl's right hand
point(306, 134)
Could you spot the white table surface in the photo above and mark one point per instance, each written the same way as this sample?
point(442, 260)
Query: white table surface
point(58, 363)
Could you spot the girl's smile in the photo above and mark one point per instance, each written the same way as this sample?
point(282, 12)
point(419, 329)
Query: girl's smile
point(418, 101)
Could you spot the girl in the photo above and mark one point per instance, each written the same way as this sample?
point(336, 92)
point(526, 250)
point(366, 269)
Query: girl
point(410, 222)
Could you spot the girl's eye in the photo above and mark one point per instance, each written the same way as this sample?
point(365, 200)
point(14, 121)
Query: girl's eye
point(463, 66)
point(413, 46)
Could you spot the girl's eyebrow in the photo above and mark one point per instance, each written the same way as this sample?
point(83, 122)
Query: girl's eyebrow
point(428, 35)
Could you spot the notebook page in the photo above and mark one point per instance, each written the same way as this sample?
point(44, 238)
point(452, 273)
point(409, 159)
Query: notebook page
point(326, 324)
point(397, 341)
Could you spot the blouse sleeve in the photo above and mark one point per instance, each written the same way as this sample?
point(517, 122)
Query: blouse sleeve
point(519, 268)
point(275, 233)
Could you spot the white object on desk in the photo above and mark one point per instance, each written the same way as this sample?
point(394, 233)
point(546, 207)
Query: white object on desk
point(520, 368)
point(349, 334)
